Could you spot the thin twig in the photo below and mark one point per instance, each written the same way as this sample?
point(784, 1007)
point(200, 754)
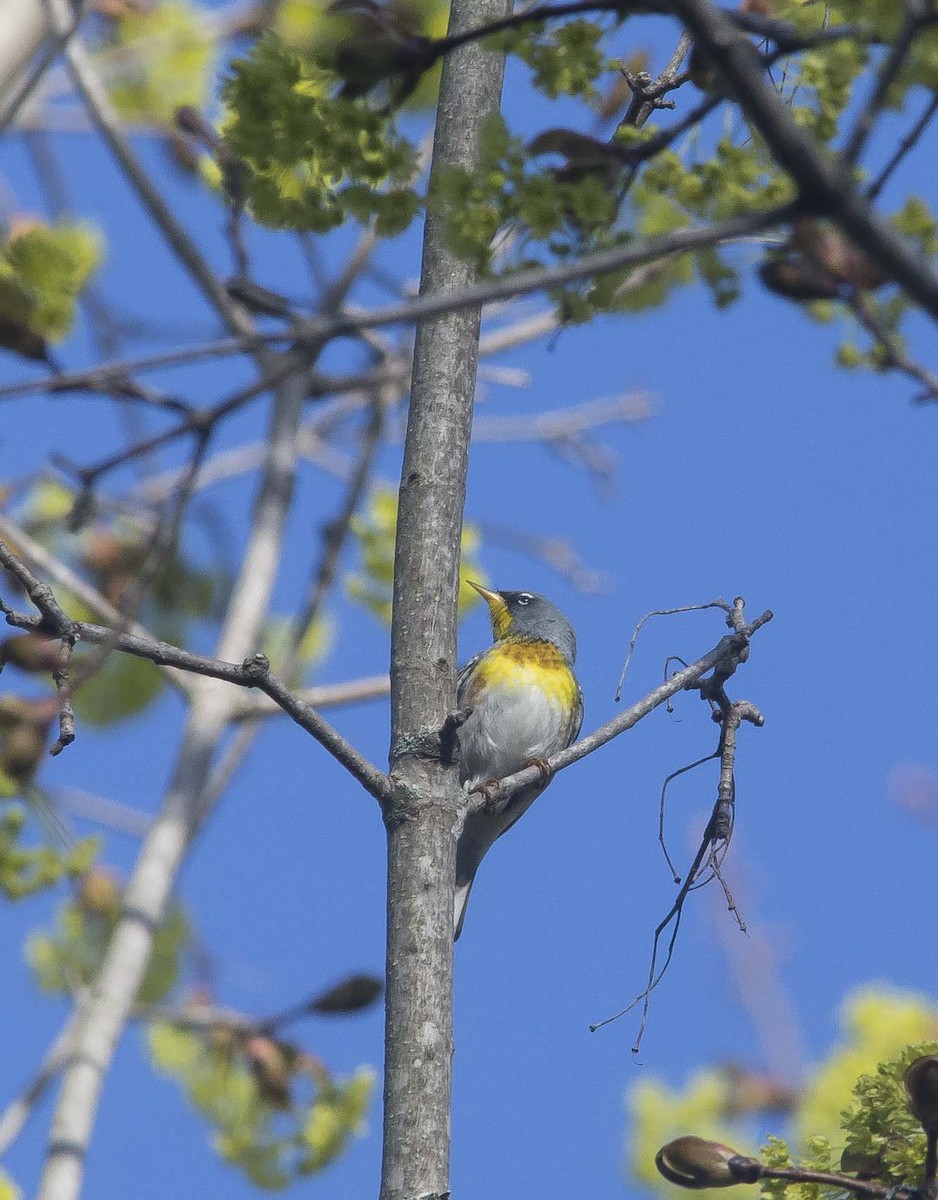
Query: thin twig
point(905, 145)
point(895, 354)
point(661, 612)
point(63, 690)
point(709, 852)
point(65, 577)
point(886, 77)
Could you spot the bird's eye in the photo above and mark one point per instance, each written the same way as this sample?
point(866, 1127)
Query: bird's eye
point(524, 598)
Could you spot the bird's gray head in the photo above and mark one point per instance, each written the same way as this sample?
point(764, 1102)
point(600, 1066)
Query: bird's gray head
point(526, 614)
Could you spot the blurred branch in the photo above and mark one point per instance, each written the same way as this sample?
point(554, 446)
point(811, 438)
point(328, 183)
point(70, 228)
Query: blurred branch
point(14, 1117)
point(554, 552)
point(321, 695)
point(824, 181)
point(915, 13)
point(101, 1021)
point(895, 354)
point(559, 425)
point(107, 122)
point(902, 149)
point(25, 32)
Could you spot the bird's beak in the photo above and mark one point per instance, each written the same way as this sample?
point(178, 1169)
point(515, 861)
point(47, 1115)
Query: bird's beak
point(498, 609)
point(491, 598)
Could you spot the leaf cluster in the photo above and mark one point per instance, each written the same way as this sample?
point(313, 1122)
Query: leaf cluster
point(69, 955)
point(27, 869)
point(165, 58)
point(851, 1113)
point(276, 1113)
point(43, 269)
point(314, 159)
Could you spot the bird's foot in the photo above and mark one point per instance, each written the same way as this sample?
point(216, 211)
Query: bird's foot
point(488, 791)
point(544, 770)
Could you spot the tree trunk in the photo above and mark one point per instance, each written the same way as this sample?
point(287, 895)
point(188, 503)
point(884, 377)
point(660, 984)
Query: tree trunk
point(421, 818)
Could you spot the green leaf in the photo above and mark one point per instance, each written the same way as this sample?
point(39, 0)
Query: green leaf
point(71, 954)
point(375, 532)
point(169, 54)
point(122, 689)
point(313, 160)
point(50, 264)
point(334, 1117)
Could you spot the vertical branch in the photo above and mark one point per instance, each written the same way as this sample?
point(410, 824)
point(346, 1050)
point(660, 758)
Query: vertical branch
point(103, 1016)
point(421, 817)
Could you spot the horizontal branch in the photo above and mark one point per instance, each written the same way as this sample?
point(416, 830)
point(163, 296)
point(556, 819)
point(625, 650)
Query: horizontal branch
point(322, 695)
point(253, 672)
point(522, 283)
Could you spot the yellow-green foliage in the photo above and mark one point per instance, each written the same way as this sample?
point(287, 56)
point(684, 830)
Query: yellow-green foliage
point(71, 954)
point(8, 1189)
point(314, 160)
point(314, 27)
point(375, 531)
point(273, 1138)
point(878, 1024)
point(658, 1114)
point(170, 55)
point(25, 869)
point(42, 271)
point(853, 1100)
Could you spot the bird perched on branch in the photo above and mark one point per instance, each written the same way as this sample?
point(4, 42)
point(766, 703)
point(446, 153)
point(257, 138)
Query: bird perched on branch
point(525, 705)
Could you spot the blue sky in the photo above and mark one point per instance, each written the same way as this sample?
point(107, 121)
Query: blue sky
point(764, 471)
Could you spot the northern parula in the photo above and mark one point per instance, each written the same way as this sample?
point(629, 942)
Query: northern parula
point(526, 705)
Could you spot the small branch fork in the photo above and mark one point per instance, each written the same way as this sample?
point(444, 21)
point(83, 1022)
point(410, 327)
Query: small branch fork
point(253, 672)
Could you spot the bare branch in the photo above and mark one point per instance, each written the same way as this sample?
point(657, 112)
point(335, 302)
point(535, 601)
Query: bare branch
point(18, 1111)
point(902, 149)
point(64, 576)
point(893, 64)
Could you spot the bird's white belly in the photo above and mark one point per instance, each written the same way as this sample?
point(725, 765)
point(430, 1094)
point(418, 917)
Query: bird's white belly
point(507, 729)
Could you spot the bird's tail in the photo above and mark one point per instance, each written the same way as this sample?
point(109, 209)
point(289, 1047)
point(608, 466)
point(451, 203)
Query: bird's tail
point(459, 907)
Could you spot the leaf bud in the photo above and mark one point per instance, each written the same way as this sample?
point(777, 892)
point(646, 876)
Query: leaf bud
point(354, 993)
point(99, 893)
point(30, 652)
point(693, 1162)
point(271, 1068)
point(921, 1083)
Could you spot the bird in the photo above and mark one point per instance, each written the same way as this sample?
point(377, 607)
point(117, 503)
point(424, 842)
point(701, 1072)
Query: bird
point(524, 704)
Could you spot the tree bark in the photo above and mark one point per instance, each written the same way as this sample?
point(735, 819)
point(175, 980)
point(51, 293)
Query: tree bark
point(421, 817)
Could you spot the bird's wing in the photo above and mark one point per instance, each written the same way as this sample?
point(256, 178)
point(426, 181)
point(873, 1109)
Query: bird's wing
point(576, 717)
point(462, 679)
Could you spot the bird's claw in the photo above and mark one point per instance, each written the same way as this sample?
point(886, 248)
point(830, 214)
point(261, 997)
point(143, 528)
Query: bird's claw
point(488, 791)
point(544, 769)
